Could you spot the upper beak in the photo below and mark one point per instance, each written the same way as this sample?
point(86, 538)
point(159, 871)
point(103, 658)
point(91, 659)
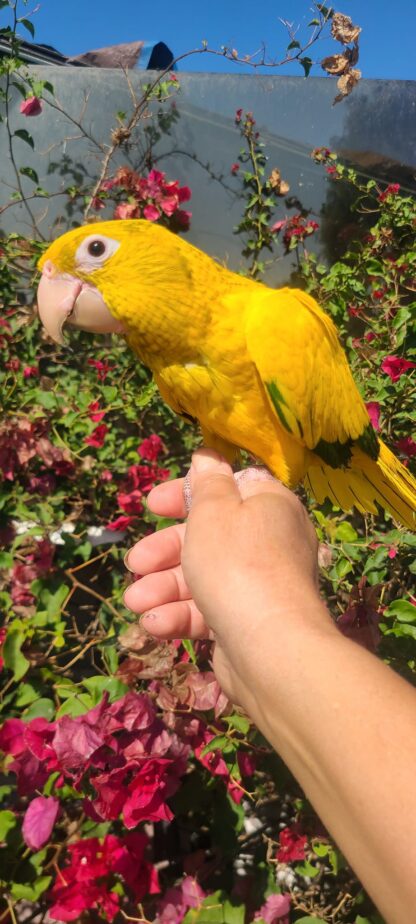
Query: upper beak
point(63, 298)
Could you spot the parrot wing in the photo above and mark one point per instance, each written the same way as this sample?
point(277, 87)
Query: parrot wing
point(304, 371)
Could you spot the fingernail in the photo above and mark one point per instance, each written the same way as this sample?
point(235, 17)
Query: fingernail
point(126, 562)
point(148, 616)
point(254, 473)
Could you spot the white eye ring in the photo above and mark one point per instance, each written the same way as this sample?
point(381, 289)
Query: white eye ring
point(104, 248)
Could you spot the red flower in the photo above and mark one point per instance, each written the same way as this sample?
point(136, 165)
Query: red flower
point(106, 475)
point(391, 190)
point(238, 114)
point(354, 311)
point(102, 368)
point(130, 503)
point(151, 447)
point(95, 414)
point(407, 446)
point(120, 524)
point(292, 845)
point(97, 437)
point(85, 883)
point(331, 170)
point(378, 293)
point(32, 106)
point(370, 336)
point(373, 409)
point(234, 168)
point(396, 366)
point(13, 364)
point(30, 371)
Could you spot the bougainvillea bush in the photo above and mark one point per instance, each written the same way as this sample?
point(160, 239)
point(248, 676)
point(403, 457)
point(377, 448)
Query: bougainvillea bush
point(131, 788)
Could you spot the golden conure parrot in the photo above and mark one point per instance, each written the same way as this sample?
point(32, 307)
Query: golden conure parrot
point(261, 369)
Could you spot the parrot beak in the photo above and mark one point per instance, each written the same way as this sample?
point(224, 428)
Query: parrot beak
point(63, 298)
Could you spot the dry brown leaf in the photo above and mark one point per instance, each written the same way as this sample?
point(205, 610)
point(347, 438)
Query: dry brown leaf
point(335, 64)
point(279, 186)
point(346, 84)
point(343, 29)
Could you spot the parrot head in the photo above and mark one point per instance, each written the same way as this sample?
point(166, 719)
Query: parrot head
point(100, 276)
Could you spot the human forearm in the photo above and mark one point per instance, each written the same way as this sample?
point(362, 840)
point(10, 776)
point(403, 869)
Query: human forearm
point(344, 724)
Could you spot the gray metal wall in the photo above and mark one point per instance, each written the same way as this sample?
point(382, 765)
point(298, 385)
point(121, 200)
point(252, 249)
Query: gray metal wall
point(375, 129)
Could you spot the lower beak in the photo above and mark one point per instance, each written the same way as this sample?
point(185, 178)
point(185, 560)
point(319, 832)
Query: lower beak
point(63, 298)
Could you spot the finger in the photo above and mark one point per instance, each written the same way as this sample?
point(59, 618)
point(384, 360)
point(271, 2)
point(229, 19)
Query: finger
point(156, 552)
point(212, 479)
point(176, 620)
point(156, 590)
point(167, 499)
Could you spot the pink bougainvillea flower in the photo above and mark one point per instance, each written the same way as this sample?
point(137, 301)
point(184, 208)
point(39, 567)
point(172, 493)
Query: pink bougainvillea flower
point(275, 910)
point(127, 210)
point(97, 203)
point(373, 409)
point(106, 475)
point(174, 904)
point(396, 366)
point(151, 447)
point(292, 845)
point(97, 437)
point(407, 446)
point(40, 817)
point(151, 213)
point(32, 106)
point(278, 225)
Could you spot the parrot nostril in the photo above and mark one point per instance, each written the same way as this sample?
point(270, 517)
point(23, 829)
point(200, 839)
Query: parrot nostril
point(48, 269)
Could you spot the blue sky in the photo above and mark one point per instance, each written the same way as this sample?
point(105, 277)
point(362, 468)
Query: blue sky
point(387, 43)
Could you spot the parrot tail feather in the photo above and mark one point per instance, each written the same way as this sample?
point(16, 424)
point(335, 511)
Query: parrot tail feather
point(366, 482)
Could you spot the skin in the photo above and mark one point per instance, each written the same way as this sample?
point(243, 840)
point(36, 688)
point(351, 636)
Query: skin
point(243, 570)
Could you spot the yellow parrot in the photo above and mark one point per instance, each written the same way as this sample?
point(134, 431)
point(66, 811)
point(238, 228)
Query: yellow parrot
point(260, 369)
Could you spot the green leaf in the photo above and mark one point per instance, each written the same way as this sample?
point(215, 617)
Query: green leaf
point(239, 722)
point(216, 909)
point(8, 821)
point(218, 743)
point(309, 920)
point(346, 533)
point(14, 660)
point(306, 64)
point(293, 44)
point(30, 892)
point(43, 708)
point(30, 173)
point(25, 136)
point(402, 610)
point(28, 25)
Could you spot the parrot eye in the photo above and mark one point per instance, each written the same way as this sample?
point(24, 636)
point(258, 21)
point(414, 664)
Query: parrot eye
point(96, 248)
point(94, 251)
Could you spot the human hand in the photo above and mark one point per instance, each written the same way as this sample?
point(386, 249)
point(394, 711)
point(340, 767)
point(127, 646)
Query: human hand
point(242, 567)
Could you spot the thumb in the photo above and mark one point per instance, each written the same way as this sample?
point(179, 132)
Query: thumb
point(210, 478)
